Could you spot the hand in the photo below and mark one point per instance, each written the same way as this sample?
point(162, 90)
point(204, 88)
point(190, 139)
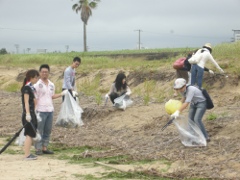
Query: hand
point(221, 70)
point(106, 96)
point(75, 94)
point(39, 119)
point(211, 72)
point(175, 114)
point(28, 117)
point(128, 93)
point(63, 93)
point(37, 138)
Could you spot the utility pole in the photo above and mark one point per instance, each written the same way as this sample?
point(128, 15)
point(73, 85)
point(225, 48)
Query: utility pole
point(28, 49)
point(67, 47)
point(17, 47)
point(139, 38)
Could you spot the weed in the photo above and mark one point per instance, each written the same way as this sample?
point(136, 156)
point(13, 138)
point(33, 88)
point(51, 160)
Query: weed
point(212, 116)
point(148, 88)
point(89, 87)
point(133, 175)
point(86, 177)
point(98, 98)
point(13, 87)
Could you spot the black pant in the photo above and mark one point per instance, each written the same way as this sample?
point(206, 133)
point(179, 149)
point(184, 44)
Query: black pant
point(114, 96)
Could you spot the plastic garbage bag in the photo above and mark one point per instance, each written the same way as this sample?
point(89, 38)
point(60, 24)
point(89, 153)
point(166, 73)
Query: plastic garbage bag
point(122, 102)
point(21, 138)
point(70, 113)
point(189, 132)
point(172, 105)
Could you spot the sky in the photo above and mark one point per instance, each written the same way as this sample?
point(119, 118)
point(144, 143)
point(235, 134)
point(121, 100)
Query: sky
point(116, 24)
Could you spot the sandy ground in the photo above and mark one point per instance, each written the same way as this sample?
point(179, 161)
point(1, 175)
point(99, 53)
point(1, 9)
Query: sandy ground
point(15, 167)
point(134, 132)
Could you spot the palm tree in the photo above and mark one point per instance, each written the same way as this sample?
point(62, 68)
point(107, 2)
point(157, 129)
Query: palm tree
point(85, 7)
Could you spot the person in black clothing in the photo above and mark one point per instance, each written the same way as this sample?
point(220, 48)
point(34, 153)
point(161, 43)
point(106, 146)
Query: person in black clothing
point(29, 119)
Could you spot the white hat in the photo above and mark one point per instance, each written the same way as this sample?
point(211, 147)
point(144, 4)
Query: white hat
point(208, 45)
point(179, 83)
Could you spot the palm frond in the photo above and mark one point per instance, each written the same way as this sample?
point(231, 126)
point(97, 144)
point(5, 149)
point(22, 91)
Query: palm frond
point(74, 7)
point(93, 4)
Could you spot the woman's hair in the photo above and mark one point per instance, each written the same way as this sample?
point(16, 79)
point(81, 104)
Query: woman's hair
point(118, 82)
point(30, 74)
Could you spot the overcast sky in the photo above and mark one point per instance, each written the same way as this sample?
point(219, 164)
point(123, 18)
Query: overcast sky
point(114, 24)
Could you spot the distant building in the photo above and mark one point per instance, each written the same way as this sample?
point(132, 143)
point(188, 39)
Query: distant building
point(41, 51)
point(236, 35)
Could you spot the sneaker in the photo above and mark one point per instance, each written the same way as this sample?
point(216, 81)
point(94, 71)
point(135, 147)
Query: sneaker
point(47, 152)
point(31, 157)
point(38, 152)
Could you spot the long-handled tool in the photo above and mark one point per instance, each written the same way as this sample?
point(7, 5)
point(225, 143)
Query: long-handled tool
point(106, 100)
point(168, 123)
point(38, 137)
point(11, 140)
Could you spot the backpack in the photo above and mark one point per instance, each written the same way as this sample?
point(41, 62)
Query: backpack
point(209, 101)
point(210, 104)
point(179, 63)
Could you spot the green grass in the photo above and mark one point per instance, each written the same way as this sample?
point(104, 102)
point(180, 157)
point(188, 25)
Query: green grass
point(212, 117)
point(13, 87)
point(148, 87)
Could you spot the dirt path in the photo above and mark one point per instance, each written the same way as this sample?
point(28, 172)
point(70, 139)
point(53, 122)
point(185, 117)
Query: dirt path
point(13, 166)
point(134, 132)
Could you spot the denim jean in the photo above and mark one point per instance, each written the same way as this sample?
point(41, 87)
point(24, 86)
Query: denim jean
point(197, 75)
point(44, 129)
point(196, 113)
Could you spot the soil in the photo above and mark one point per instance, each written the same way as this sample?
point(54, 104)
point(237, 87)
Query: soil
point(135, 132)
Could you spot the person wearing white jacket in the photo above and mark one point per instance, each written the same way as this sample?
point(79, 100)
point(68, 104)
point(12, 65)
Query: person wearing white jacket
point(197, 71)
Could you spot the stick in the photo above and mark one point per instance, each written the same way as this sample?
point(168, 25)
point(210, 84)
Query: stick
point(106, 100)
point(11, 140)
point(168, 123)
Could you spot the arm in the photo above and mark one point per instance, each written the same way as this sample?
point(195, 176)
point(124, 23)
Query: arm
point(184, 106)
point(215, 63)
point(26, 103)
point(35, 104)
point(111, 89)
point(183, 99)
point(128, 91)
point(55, 96)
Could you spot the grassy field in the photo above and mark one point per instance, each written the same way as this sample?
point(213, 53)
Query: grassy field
point(227, 56)
point(221, 52)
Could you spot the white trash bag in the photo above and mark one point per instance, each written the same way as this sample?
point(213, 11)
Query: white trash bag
point(190, 133)
point(122, 102)
point(70, 113)
point(21, 138)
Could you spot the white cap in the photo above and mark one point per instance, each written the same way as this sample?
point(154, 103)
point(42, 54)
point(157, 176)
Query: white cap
point(179, 83)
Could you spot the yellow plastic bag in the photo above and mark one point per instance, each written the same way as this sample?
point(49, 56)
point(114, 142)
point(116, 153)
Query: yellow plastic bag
point(172, 105)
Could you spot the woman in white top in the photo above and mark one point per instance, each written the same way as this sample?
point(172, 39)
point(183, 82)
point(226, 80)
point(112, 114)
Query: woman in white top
point(197, 70)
